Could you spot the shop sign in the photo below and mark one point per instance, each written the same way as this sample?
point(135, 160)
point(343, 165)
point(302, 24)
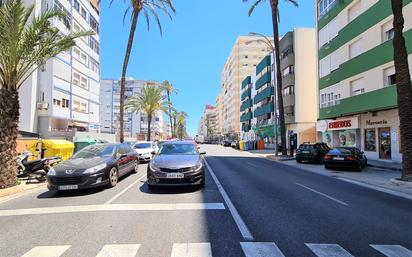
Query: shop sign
point(330, 125)
point(376, 123)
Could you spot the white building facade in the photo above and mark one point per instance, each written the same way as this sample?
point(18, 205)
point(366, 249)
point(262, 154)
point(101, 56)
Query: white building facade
point(135, 124)
point(63, 95)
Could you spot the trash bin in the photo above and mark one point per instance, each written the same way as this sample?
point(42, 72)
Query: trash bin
point(52, 147)
point(241, 145)
point(246, 146)
point(84, 142)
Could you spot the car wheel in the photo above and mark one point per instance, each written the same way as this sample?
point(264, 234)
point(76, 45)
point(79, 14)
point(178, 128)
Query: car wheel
point(113, 177)
point(359, 166)
point(136, 167)
point(327, 167)
point(298, 160)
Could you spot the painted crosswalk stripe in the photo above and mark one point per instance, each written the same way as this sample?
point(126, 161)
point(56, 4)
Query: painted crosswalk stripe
point(47, 251)
point(192, 250)
point(261, 249)
point(393, 250)
point(124, 250)
point(328, 250)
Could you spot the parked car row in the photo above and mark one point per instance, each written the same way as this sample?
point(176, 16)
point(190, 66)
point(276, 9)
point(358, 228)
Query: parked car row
point(340, 157)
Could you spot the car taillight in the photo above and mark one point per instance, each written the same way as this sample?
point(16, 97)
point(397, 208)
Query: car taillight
point(351, 158)
point(328, 157)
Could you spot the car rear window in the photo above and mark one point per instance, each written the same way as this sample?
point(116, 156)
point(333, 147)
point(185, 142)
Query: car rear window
point(341, 151)
point(307, 147)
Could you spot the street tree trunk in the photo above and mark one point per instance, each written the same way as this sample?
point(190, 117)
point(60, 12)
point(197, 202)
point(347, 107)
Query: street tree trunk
point(9, 130)
point(170, 112)
point(275, 15)
point(149, 125)
point(133, 26)
point(404, 89)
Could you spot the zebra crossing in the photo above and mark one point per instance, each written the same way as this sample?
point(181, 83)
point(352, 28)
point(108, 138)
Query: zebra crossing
point(250, 249)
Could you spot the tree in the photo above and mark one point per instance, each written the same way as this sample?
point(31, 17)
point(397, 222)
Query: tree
point(149, 100)
point(174, 122)
point(403, 88)
point(169, 89)
point(26, 42)
point(148, 7)
point(274, 4)
point(208, 124)
point(181, 124)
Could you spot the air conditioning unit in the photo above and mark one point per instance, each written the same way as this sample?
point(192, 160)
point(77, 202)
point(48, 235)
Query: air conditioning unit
point(42, 106)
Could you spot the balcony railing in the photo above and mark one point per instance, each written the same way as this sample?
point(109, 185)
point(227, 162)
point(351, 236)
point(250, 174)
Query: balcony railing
point(268, 92)
point(264, 109)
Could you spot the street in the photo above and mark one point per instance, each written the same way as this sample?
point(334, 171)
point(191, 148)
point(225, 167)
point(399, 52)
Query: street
point(250, 207)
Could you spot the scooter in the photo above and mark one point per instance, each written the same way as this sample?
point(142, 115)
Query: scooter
point(36, 169)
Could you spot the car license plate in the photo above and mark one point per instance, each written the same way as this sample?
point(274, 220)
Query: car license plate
point(338, 158)
point(175, 175)
point(68, 187)
point(305, 151)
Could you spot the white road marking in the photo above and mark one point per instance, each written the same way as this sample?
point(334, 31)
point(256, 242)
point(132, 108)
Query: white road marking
point(114, 198)
point(192, 250)
point(123, 250)
point(393, 250)
point(251, 164)
point(261, 249)
point(244, 230)
point(47, 251)
point(328, 250)
point(114, 207)
point(322, 194)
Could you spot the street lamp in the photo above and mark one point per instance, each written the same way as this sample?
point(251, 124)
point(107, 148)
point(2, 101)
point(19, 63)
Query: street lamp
point(270, 45)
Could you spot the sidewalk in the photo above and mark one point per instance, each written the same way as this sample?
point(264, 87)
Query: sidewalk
point(379, 175)
point(11, 192)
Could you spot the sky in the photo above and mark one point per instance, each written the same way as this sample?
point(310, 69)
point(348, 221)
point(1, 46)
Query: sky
point(194, 46)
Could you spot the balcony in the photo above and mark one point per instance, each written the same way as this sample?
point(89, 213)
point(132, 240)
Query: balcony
point(287, 61)
point(245, 105)
point(246, 127)
point(264, 109)
point(246, 117)
point(289, 100)
point(247, 93)
point(268, 92)
point(288, 80)
point(246, 81)
point(263, 64)
point(263, 80)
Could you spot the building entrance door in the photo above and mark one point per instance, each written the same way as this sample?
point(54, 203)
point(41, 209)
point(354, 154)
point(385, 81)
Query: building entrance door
point(385, 143)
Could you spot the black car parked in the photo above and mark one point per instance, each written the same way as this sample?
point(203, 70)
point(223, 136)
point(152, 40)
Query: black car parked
point(226, 143)
point(313, 152)
point(93, 166)
point(345, 157)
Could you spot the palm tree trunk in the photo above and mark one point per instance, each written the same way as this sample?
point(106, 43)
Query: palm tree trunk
point(275, 15)
point(149, 125)
point(170, 113)
point(9, 130)
point(404, 89)
point(124, 70)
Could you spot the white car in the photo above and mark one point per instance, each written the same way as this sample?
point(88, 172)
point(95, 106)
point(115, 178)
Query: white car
point(144, 150)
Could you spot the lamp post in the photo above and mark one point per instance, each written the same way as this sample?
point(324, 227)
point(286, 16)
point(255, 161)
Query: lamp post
point(270, 45)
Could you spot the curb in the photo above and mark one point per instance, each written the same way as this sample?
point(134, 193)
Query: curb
point(362, 183)
point(12, 192)
point(384, 167)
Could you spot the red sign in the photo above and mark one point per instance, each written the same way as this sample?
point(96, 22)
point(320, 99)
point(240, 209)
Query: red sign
point(340, 124)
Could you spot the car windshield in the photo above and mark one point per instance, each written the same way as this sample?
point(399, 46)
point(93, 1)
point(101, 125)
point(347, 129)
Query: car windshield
point(95, 151)
point(142, 145)
point(341, 151)
point(186, 149)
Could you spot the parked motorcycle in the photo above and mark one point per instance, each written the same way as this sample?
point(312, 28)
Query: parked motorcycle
point(36, 169)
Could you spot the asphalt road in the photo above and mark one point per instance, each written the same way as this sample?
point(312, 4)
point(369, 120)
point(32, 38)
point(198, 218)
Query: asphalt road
point(249, 207)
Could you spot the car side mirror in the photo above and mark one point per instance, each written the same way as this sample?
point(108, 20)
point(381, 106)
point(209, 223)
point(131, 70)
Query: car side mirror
point(202, 153)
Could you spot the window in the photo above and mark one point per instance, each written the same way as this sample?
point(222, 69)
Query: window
point(288, 70)
point(387, 31)
point(76, 79)
point(370, 140)
point(325, 5)
point(355, 49)
point(94, 65)
point(389, 77)
point(329, 32)
point(76, 53)
point(94, 24)
point(94, 45)
point(83, 107)
point(65, 103)
point(76, 5)
point(357, 87)
point(83, 13)
point(83, 82)
point(329, 99)
point(76, 105)
point(56, 102)
point(67, 18)
point(337, 99)
point(83, 58)
point(354, 11)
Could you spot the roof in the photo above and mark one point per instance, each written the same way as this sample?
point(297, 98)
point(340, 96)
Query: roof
point(184, 142)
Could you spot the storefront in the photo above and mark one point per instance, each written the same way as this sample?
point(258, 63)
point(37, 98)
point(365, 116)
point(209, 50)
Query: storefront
point(380, 134)
point(340, 133)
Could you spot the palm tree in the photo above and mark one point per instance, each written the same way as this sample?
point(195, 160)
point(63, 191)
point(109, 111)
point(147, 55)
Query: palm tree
point(174, 122)
point(274, 4)
point(169, 89)
point(404, 89)
point(181, 124)
point(27, 42)
point(149, 100)
point(148, 7)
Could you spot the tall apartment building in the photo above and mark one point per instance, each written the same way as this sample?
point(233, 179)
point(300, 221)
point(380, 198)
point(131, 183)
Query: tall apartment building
point(357, 91)
point(208, 122)
point(219, 113)
point(63, 95)
point(135, 124)
point(242, 61)
point(298, 68)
